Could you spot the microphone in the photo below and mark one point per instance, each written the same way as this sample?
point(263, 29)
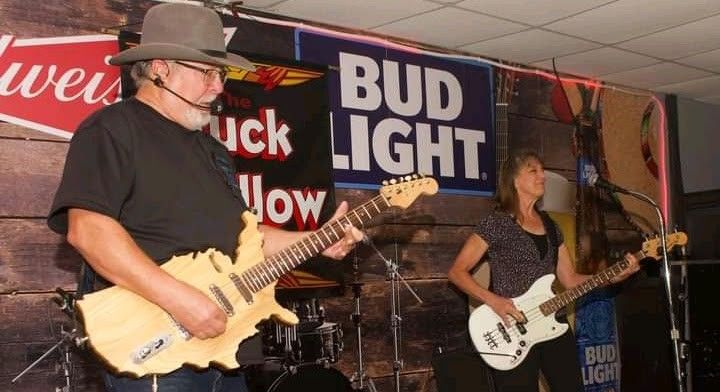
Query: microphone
point(595, 180)
point(215, 107)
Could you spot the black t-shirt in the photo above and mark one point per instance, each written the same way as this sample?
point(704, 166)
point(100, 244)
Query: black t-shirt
point(156, 178)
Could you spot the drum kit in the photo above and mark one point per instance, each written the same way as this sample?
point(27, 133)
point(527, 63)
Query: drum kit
point(301, 357)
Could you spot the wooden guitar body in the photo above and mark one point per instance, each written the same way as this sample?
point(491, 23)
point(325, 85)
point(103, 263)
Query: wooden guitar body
point(120, 324)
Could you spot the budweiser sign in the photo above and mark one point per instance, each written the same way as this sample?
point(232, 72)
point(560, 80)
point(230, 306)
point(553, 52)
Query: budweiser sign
point(52, 84)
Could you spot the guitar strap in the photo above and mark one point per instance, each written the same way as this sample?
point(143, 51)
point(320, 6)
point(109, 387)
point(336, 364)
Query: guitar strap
point(551, 230)
point(223, 164)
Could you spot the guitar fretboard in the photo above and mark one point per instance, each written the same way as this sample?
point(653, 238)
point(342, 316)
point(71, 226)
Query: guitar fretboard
point(600, 279)
point(272, 268)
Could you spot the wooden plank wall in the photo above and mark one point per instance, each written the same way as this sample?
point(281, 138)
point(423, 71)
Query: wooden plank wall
point(425, 238)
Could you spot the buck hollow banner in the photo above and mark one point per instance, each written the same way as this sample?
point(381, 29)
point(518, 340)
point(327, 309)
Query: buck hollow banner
point(395, 112)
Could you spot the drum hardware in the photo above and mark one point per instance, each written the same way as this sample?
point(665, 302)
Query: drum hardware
point(68, 339)
point(360, 380)
point(395, 278)
point(310, 377)
point(312, 340)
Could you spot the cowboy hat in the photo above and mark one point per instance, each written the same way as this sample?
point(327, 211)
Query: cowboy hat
point(175, 31)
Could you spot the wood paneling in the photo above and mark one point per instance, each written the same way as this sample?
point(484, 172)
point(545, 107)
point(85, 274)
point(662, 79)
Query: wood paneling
point(438, 321)
point(8, 130)
point(551, 139)
point(34, 258)
point(439, 209)
point(33, 168)
point(532, 98)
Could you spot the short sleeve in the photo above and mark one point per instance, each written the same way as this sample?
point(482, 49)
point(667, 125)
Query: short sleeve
point(487, 228)
point(98, 174)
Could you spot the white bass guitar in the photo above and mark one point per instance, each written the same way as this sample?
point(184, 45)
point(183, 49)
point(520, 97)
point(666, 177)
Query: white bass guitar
point(504, 348)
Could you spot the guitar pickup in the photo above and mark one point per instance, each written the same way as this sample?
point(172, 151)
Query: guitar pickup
point(504, 332)
point(520, 325)
point(521, 328)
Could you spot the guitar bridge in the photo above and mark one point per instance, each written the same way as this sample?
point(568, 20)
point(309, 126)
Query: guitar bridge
point(151, 348)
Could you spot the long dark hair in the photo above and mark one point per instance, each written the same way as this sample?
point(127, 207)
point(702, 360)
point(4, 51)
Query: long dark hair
point(507, 196)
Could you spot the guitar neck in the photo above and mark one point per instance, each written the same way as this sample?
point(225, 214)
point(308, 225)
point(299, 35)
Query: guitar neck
point(600, 279)
point(501, 132)
point(277, 265)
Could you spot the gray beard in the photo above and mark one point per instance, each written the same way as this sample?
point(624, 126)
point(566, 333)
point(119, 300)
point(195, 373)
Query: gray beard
point(196, 118)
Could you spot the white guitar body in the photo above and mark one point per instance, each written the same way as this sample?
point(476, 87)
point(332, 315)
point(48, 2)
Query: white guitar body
point(504, 348)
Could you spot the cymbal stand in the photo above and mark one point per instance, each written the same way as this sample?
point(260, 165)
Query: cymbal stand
point(395, 319)
point(66, 302)
point(360, 380)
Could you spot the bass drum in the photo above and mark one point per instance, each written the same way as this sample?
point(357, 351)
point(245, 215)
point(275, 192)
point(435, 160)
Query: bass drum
point(311, 377)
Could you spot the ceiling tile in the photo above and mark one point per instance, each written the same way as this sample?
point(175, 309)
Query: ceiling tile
point(706, 87)
point(532, 13)
point(713, 100)
point(449, 27)
point(680, 41)
point(598, 62)
point(351, 13)
point(625, 19)
point(655, 75)
point(708, 60)
point(529, 46)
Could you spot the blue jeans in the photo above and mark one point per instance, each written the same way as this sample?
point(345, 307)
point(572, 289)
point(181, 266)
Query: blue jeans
point(184, 379)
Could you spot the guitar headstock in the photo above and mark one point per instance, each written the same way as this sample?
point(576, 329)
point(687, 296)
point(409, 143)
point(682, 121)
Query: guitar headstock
point(403, 191)
point(653, 247)
point(505, 85)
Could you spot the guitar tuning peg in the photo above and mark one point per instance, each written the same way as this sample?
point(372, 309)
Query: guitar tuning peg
point(393, 181)
point(408, 178)
point(385, 182)
point(415, 176)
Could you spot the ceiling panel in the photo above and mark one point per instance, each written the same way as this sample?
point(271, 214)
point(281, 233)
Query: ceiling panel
point(529, 46)
point(627, 19)
point(351, 13)
point(681, 41)
point(619, 41)
point(655, 75)
point(706, 87)
point(533, 13)
point(708, 60)
point(598, 62)
point(449, 27)
point(713, 100)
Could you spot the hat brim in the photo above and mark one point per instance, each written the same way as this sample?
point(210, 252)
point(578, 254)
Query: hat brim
point(178, 52)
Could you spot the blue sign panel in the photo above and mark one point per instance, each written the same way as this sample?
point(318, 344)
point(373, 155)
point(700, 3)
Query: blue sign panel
point(396, 112)
point(597, 343)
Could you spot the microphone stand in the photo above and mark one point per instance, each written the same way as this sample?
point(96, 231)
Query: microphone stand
point(360, 380)
point(674, 332)
point(395, 319)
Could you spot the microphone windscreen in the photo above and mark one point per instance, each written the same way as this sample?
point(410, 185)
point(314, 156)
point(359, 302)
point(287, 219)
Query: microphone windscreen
point(216, 106)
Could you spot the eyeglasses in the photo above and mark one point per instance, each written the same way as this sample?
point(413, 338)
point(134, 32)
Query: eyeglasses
point(209, 74)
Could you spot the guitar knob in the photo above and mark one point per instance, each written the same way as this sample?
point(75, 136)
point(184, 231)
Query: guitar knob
point(518, 352)
point(522, 343)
